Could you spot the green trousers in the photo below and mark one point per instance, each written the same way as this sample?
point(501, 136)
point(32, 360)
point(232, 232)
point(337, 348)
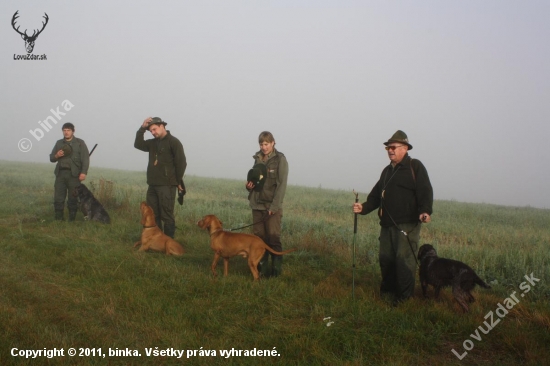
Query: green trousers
point(268, 228)
point(397, 258)
point(162, 200)
point(64, 186)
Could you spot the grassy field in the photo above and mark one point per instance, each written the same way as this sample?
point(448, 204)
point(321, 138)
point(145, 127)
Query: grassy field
point(82, 284)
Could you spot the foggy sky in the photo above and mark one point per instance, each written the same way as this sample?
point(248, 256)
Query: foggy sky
point(468, 81)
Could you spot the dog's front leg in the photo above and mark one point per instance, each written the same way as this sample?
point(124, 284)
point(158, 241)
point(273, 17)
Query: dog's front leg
point(437, 289)
point(215, 263)
point(137, 243)
point(225, 266)
point(424, 286)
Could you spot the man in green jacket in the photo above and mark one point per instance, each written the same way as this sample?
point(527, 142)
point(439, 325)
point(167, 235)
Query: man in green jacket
point(165, 171)
point(72, 158)
point(266, 201)
point(403, 196)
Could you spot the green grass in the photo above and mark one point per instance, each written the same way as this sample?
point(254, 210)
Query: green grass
point(83, 284)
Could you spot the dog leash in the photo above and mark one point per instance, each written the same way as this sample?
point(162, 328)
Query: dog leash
point(410, 245)
point(265, 218)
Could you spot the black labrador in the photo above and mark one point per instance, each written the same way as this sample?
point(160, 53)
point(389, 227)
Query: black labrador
point(90, 206)
point(441, 272)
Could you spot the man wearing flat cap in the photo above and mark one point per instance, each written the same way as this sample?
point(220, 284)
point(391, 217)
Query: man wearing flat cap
point(72, 158)
point(165, 171)
point(403, 196)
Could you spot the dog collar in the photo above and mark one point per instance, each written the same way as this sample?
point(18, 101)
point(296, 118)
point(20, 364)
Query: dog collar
point(148, 227)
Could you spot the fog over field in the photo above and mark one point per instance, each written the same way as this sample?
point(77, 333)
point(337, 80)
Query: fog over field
point(468, 81)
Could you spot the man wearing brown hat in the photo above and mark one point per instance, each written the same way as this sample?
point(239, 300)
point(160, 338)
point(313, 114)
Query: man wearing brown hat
point(72, 158)
point(165, 171)
point(403, 196)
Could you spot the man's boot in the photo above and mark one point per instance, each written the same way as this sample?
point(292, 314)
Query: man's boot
point(277, 268)
point(170, 229)
point(59, 215)
point(263, 266)
point(72, 215)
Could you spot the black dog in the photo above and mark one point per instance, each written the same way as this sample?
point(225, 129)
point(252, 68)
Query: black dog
point(441, 272)
point(90, 206)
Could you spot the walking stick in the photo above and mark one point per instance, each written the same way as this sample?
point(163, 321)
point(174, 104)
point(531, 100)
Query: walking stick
point(354, 234)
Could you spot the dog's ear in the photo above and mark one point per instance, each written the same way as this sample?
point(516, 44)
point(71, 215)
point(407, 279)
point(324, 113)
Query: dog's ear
point(144, 213)
point(420, 253)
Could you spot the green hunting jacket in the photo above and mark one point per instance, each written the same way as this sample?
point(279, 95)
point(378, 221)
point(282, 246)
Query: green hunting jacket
point(273, 192)
point(401, 194)
point(169, 155)
point(78, 161)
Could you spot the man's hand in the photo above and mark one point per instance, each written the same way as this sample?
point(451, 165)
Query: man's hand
point(357, 208)
point(250, 186)
point(146, 122)
point(59, 154)
point(81, 177)
point(425, 218)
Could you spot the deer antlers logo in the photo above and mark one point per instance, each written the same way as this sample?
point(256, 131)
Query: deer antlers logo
point(29, 40)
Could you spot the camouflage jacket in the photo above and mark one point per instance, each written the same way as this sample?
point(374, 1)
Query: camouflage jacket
point(273, 192)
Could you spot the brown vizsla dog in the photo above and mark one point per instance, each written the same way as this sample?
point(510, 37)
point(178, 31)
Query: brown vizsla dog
point(152, 237)
point(226, 244)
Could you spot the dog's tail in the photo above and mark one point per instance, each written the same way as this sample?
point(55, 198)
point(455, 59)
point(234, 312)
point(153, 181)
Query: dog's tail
point(481, 283)
point(279, 253)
